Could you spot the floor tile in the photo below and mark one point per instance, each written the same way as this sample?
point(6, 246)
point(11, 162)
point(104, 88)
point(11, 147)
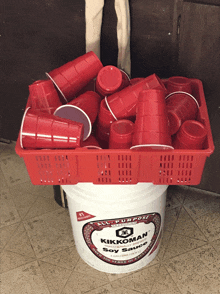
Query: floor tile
point(87, 270)
point(187, 227)
point(114, 277)
point(48, 192)
point(180, 244)
point(67, 258)
point(9, 213)
point(22, 199)
point(14, 170)
point(11, 260)
point(79, 283)
point(3, 146)
point(54, 276)
point(141, 281)
point(29, 188)
point(3, 183)
point(50, 232)
point(196, 271)
point(209, 224)
point(7, 149)
point(202, 206)
point(171, 217)
point(31, 200)
point(176, 195)
point(20, 243)
point(108, 289)
point(164, 284)
point(6, 233)
point(41, 206)
point(25, 279)
point(216, 245)
point(163, 246)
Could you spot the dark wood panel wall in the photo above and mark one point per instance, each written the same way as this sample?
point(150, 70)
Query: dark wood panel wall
point(200, 43)
point(153, 38)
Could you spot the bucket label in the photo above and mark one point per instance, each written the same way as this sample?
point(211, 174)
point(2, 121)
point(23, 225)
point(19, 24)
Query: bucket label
point(123, 241)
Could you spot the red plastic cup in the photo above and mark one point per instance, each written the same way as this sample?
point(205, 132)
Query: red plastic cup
point(83, 109)
point(151, 102)
point(178, 83)
point(191, 135)
point(181, 106)
point(110, 79)
point(123, 104)
point(91, 143)
point(151, 140)
point(152, 123)
point(73, 76)
point(135, 81)
point(151, 126)
point(44, 96)
point(104, 121)
point(121, 132)
point(43, 130)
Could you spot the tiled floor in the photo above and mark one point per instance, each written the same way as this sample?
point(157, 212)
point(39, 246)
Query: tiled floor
point(38, 255)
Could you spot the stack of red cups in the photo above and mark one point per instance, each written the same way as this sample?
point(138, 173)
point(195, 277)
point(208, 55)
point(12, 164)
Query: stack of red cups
point(151, 125)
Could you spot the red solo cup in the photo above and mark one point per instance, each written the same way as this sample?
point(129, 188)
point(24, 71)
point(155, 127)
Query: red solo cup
point(121, 132)
point(191, 135)
point(135, 81)
point(44, 96)
point(157, 123)
point(110, 79)
point(89, 87)
point(151, 137)
point(105, 119)
point(43, 130)
point(91, 143)
point(123, 104)
point(73, 76)
point(151, 102)
point(181, 106)
point(177, 83)
point(151, 125)
point(83, 109)
point(154, 82)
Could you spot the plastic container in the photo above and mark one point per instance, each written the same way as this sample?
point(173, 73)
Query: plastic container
point(111, 166)
point(116, 228)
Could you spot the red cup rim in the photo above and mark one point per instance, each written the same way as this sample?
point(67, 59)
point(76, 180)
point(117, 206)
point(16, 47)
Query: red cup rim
point(56, 86)
point(152, 146)
point(109, 108)
point(125, 74)
point(182, 92)
point(22, 124)
point(92, 147)
point(88, 119)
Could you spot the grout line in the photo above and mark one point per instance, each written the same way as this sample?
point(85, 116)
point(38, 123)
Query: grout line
point(43, 277)
point(170, 258)
point(195, 224)
point(19, 265)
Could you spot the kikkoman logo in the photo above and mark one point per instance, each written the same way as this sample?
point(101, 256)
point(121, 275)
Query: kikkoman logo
point(124, 232)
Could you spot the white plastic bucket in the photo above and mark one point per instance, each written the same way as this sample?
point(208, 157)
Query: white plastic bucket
point(117, 228)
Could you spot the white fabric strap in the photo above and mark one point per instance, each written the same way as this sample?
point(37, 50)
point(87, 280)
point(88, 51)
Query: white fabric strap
point(93, 15)
point(123, 35)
